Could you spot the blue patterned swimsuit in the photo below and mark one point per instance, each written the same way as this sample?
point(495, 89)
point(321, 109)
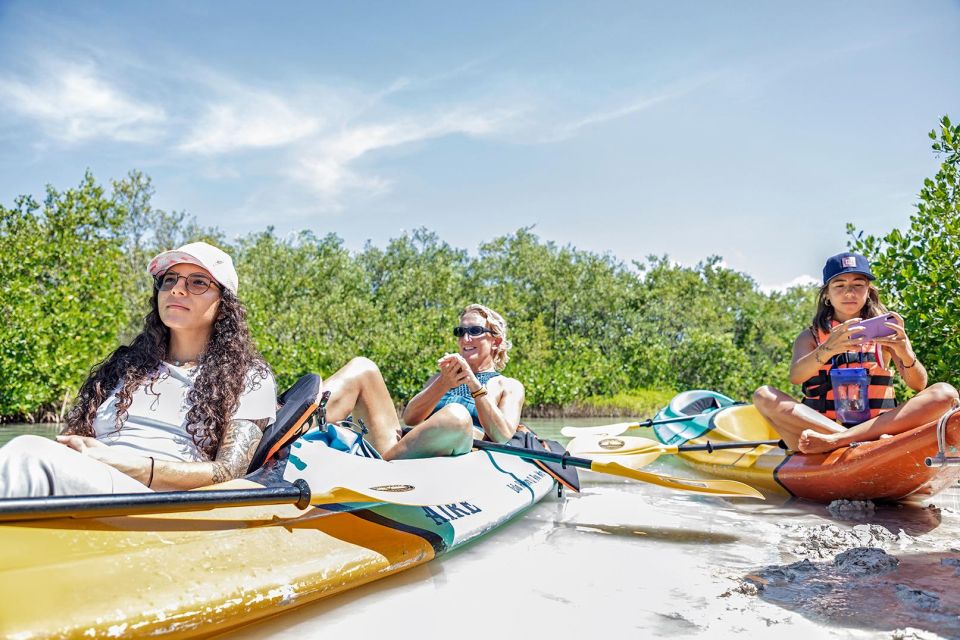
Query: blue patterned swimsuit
point(461, 395)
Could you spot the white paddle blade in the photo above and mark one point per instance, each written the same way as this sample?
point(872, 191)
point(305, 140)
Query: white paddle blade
point(600, 430)
point(617, 445)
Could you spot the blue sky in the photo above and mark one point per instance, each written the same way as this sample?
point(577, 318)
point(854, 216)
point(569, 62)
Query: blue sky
point(753, 131)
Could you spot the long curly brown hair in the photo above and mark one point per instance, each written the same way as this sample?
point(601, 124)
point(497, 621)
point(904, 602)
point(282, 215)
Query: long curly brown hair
point(226, 365)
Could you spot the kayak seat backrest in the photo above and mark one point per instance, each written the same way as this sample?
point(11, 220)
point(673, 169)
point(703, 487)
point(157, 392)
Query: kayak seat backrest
point(701, 405)
point(296, 405)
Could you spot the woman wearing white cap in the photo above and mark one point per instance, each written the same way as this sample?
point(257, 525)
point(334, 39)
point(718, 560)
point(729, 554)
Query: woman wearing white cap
point(839, 340)
point(183, 406)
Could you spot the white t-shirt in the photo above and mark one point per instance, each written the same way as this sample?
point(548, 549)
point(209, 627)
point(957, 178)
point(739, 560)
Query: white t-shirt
point(156, 423)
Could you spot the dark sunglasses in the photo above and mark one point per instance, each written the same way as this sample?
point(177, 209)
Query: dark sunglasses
point(474, 331)
point(197, 283)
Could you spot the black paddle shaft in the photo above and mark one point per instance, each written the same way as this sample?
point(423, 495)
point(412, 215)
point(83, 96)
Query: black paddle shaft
point(125, 504)
point(650, 421)
point(563, 459)
point(710, 447)
point(566, 460)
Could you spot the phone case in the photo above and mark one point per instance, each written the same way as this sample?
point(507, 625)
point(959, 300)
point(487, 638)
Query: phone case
point(875, 327)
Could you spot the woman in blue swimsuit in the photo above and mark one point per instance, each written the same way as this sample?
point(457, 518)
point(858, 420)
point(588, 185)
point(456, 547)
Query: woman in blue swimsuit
point(468, 397)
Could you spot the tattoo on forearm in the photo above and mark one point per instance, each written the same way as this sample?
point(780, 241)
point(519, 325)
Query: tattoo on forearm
point(236, 451)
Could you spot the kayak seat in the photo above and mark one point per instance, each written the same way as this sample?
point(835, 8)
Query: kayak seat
point(701, 405)
point(527, 439)
point(296, 406)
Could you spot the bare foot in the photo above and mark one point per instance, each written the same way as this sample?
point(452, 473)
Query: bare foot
point(815, 442)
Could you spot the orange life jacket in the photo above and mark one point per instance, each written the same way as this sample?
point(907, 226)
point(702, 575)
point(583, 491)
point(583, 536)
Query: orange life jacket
point(818, 391)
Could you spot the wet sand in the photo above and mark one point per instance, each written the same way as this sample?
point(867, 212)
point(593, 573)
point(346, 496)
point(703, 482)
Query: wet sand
point(633, 560)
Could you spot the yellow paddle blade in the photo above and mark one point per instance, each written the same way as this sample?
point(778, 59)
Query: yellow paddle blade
point(709, 487)
point(617, 445)
point(600, 430)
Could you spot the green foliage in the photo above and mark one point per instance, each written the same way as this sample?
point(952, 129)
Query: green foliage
point(916, 268)
point(584, 325)
point(637, 403)
point(62, 296)
point(417, 285)
point(308, 302)
point(710, 327)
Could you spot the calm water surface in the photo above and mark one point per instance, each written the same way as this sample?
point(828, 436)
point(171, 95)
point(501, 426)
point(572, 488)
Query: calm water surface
point(9, 431)
point(633, 560)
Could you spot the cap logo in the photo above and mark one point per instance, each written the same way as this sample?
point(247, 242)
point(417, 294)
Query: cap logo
point(848, 261)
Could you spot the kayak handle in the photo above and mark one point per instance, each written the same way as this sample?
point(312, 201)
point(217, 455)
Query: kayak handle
point(942, 459)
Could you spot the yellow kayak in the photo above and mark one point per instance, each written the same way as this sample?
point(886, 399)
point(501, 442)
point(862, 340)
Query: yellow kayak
point(194, 574)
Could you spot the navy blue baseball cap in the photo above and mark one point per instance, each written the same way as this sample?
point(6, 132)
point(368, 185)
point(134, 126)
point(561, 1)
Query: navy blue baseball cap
point(846, 263)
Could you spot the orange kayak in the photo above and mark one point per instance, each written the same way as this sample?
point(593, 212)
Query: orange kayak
point(887, 469)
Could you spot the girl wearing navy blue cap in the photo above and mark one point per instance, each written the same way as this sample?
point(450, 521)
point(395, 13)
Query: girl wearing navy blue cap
point(835, 340)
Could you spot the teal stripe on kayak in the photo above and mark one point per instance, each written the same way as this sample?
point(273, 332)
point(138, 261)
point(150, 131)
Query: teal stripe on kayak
point(682, 432)
point(533, 496)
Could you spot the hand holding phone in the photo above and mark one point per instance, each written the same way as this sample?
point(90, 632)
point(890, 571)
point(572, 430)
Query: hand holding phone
point(873, 328)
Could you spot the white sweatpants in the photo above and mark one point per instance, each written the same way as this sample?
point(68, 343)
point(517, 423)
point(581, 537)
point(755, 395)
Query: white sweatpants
point(37, 466)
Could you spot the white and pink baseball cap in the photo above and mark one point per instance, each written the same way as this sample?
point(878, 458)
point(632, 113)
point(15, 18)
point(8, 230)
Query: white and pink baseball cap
point(214, 260)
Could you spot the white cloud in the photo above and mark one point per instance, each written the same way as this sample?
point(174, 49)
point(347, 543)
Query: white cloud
point(326, 169)
point(800, 281)
point(674, 91)
point(74, 104)
point(248, 119)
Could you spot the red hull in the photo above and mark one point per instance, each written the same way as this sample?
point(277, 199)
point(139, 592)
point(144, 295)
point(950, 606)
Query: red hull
point(885, 469)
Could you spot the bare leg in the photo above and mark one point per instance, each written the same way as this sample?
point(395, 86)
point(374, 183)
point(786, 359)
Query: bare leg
point(448, 432)
point(789, 417)
point(926, 406)
point(358, 388)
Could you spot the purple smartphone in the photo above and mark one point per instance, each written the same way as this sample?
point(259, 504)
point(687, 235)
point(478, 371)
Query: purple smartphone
point(875, 327)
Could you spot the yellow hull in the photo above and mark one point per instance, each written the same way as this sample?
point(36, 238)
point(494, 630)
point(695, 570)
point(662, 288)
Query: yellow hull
point(755, 467)
point(191, 574)
point(196, 574)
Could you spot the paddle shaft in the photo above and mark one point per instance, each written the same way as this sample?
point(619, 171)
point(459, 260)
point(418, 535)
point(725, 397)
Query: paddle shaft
point(125, 504)
point(710, 447)
point(711, 487)
point(567, 460)
point(564, 459)
point(650, 421)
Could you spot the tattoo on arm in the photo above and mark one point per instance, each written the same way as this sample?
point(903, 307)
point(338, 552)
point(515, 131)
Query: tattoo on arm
point(236, 451)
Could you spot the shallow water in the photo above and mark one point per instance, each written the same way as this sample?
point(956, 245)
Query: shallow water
point(630, 559)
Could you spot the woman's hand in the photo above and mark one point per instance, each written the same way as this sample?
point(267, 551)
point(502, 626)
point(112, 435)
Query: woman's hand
point(454, 371)
point(846, 336)
point(899, 343)
point(137, 467)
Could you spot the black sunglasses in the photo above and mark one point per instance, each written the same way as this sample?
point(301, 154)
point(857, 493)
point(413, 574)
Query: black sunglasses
point(197, 283)
point(474, 332)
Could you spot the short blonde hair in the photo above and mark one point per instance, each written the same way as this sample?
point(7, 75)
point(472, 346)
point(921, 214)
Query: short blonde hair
point(498, 326)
